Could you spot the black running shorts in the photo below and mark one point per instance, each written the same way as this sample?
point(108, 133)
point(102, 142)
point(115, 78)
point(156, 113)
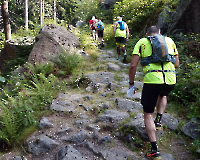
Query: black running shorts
point(121, 40)
point(150, 94)
point(100, 33)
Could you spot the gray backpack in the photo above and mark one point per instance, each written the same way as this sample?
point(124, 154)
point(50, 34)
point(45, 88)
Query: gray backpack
point(159, 51)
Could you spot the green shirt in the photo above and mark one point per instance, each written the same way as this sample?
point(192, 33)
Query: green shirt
point(157, 77)
point(120, 33)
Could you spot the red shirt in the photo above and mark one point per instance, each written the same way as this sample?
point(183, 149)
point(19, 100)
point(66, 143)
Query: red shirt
point(93, 22)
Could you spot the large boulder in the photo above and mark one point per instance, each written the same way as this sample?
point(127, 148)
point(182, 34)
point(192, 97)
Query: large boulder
point(163, 21)
point(170, 121)
point(113, 67)
point(44, 123)
point(40, 145)
point(192, 128)
point(187, 17)
point(65, 105)
point(139, 125)
point(128, 105)
point(112, 116)
point(76, 138)
point(101, 77)
point(13, 47)
point(68, 153)
point(51, 40)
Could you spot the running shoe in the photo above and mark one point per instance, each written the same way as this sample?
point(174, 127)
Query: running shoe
point(124, 60)
point(158, 125)
point(154, 155)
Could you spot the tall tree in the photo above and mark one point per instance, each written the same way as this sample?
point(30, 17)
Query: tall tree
point(54, 10)
point(7, 29)
point(26, 14)
point(41, 12)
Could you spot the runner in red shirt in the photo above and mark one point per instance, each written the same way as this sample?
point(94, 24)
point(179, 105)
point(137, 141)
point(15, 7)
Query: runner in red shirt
point(92, 23)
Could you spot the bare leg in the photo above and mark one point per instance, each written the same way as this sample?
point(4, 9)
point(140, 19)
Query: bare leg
point(150, 126)
point(93, 34)
point(161, 104)
point(118, 50)
point(100, 39)
point(96, 35)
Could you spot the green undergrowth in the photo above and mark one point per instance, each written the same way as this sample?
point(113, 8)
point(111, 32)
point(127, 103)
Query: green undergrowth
point(26, 97)
point(22, 54)
point(186, 92)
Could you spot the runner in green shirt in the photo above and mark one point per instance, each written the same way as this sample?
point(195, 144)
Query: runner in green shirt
point(159, 80)
point(121, 33)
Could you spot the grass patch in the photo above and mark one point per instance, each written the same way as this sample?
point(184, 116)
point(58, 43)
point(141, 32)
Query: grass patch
point(27, 132)
point(67, 62)
point(109, 36)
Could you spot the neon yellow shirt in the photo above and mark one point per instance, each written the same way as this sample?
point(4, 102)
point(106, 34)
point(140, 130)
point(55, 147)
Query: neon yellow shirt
point(157, 77)
point(120, 33)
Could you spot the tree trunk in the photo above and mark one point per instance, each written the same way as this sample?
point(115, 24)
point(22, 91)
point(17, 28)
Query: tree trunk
point(6, 23)
point(26, 14)
point(41, 13)
point(54, 10)
point(43, 10)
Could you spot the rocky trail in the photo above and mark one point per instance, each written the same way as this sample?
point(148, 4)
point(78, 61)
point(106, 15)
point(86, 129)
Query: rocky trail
point(87, 123)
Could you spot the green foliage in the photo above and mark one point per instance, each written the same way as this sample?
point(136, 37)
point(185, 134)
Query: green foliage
point(16, 116)
point(94, 55)
point(187, 89)
point(44, 68)
point(22, 54)
point(2, 40)
point(86, 40)
point(131, 44)
point(42, 91)
point(109, 36)
point(22, 32)
point(85, 9)
point(67, 62)
point(17, 15)
point(138, 14)
point(196, 146)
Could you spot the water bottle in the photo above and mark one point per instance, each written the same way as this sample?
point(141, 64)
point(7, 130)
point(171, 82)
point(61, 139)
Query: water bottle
point(130, 92)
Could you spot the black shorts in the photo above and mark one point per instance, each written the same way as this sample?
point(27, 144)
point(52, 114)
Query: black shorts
point(121, 40)
point(100, 33)
point(93, 28)
point(150, 94)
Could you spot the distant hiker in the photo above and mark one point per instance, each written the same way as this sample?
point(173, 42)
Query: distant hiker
point(92, 24)
point(159, 80)
point(100, 29)
point(121, 33)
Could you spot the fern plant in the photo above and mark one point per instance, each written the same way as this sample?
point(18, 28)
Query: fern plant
point(45, 68)
point(43, 90)
point(67, 62)
point(16, 116)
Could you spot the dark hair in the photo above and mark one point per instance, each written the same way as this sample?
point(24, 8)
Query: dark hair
point(153, 29)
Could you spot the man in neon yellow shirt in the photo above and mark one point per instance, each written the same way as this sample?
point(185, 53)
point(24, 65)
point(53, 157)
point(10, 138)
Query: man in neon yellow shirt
point(121, 33)
point(159, 80)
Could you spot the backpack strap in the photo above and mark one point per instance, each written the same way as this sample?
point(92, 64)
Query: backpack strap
point(160, 71)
